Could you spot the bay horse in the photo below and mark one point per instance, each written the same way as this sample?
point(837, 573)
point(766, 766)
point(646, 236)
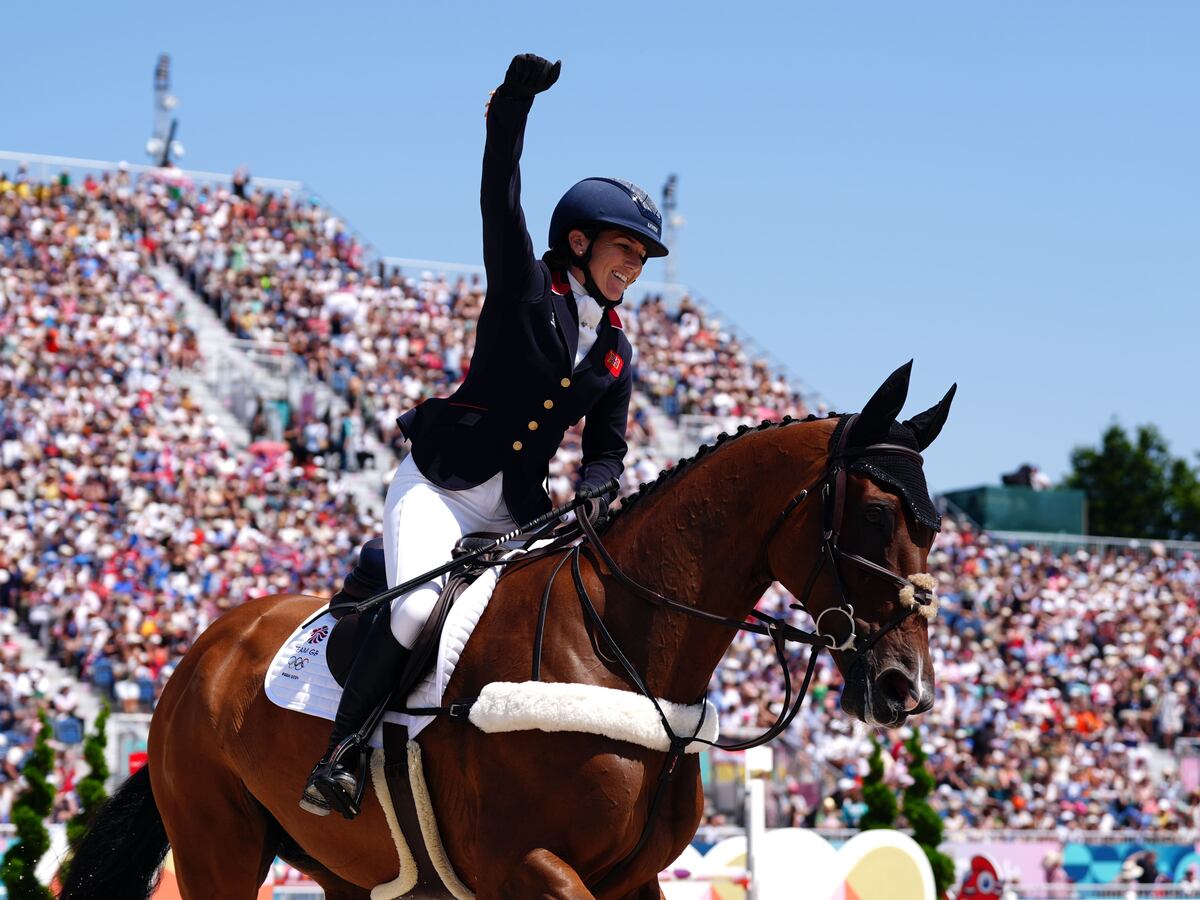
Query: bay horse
point(816, 504)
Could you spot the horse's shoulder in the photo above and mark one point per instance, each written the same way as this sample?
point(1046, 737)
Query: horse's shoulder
point(258, 625)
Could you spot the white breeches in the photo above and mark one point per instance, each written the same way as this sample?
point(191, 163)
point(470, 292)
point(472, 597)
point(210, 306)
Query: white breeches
point(421, 523)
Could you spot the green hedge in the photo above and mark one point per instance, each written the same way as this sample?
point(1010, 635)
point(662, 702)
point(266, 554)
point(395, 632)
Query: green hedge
point(29, 813)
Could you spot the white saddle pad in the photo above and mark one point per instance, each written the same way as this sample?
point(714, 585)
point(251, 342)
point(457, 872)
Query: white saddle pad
point(299, 678)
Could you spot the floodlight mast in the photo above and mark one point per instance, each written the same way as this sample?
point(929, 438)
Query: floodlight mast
point(162, 144)
point(672, 222)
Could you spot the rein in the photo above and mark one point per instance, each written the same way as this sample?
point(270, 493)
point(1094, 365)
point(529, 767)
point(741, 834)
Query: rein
point(780, 632)
point(833, 493)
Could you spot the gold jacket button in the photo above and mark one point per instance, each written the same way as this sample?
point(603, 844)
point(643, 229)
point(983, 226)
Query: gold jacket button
point(549, 404)
point(517, 445)
point(533, 426)
point(566, 382)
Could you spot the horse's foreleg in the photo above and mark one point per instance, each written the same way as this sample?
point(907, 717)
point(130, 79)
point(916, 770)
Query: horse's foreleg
point(539, 876)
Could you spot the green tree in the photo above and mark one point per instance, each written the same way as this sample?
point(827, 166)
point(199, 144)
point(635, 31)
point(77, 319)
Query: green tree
point(29, 814)
point(1135, 488)
point(924, 821)
point(879, 798)
point(1185, 501)
point(91, 790)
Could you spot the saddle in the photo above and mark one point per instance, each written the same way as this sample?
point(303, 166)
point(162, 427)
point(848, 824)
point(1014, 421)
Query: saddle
point(369, 578)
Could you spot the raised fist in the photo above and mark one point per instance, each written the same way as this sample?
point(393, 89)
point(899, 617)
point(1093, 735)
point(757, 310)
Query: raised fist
point(529, 74)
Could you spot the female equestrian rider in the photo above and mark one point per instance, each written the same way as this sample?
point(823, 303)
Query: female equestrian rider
point(549, 351)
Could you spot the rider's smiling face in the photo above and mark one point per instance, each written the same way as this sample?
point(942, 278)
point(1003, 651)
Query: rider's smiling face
point(617, 260)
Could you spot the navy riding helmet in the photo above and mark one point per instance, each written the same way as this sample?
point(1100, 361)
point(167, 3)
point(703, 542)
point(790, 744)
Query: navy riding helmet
point(609, 202)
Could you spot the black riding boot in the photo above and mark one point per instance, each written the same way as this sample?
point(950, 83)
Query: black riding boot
point(334, 783)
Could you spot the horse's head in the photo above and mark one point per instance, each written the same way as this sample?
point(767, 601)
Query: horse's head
point(874, 523)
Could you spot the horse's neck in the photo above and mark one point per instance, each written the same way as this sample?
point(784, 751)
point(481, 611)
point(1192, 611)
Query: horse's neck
point(701, 540)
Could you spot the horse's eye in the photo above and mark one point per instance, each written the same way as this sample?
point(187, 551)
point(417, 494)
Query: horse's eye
point(873, 515)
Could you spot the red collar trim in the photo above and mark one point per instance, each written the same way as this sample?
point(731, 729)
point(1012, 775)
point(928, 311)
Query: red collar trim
point(613, 319)
point(559, 283)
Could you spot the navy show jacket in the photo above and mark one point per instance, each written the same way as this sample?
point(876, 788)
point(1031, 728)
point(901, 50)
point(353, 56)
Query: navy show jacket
point(522, 390)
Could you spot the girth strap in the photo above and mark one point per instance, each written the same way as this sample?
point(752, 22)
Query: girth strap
point(396, 772)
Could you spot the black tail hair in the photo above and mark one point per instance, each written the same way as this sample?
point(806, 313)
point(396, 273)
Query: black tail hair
point(120, 854)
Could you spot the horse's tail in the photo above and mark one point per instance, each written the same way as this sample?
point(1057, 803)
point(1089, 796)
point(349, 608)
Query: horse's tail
point(123, 849)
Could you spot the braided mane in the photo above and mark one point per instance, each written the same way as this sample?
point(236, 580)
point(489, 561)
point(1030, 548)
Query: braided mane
point(670, 473)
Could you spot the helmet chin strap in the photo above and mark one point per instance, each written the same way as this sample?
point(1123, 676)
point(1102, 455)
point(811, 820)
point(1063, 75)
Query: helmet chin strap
point(583, 261)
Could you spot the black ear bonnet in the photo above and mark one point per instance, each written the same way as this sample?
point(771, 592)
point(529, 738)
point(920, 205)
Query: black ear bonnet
point(896, 470)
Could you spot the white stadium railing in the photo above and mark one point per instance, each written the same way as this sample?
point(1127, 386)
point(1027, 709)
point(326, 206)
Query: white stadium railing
point(1085, 541)
point(46, 166)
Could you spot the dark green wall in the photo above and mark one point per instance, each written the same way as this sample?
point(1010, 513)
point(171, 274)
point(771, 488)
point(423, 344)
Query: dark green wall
point(1024, 509)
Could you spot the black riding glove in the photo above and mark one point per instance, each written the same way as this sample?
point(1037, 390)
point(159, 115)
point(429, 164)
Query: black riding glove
point(528, 74)
point(596, 510)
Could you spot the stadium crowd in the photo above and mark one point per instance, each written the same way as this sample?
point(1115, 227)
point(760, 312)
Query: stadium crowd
point(129, 521)
point(280, 269)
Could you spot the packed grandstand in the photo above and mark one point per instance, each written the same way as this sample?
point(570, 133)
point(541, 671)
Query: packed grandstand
point(129, 519)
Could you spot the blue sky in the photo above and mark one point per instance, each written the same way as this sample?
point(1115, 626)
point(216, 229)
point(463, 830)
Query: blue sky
point(1008, 192)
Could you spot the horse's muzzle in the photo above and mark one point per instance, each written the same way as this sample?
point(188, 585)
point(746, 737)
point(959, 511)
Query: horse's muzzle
point(886, 699)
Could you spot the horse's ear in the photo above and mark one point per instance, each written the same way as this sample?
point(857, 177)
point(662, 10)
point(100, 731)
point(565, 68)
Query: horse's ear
point(881, 410)
point(928, 425)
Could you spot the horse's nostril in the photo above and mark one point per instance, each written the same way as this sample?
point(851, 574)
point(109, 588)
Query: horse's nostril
point(897, 687)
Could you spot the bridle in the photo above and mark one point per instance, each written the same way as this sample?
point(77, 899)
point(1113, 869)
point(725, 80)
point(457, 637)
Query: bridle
point(832, 488)
point(833, 508)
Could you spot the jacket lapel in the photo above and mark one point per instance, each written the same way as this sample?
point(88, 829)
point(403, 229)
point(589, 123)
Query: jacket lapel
point(566, 318)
